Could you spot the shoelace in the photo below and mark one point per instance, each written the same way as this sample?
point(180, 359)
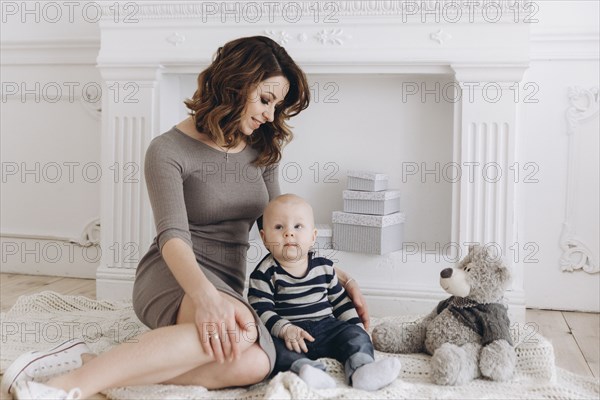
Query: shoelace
point(58, 367)
point(44, 392)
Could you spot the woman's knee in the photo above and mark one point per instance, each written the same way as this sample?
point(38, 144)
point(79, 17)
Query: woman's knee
point(255, 366)
point(261, 366)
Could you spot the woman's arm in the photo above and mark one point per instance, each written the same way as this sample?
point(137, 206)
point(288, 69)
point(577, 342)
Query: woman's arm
point(182, 262)
point(355, 294)
point(213, 315)
point(271, 179)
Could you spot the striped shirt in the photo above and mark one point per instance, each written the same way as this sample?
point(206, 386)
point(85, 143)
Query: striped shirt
point(280, 298)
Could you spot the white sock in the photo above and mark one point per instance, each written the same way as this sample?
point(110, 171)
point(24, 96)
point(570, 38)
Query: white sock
point(375, 375)
point(316, 378)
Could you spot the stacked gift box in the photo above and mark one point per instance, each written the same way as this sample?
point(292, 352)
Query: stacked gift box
point(371, 221)
point(324, 235)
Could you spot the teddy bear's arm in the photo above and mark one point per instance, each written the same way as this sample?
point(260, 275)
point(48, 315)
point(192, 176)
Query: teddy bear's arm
point(407, 337)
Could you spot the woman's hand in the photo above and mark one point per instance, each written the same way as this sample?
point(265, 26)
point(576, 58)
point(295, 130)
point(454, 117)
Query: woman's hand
point(216, 322)
point(294, 337)
point(355, 295)
point(358, 299)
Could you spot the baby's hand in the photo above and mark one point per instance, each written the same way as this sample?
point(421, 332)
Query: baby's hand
point(294, 338)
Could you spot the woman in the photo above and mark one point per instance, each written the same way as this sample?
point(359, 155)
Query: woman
point(208, 179)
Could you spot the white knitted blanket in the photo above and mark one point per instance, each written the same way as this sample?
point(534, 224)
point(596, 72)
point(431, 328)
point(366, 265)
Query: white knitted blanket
point(41, 320)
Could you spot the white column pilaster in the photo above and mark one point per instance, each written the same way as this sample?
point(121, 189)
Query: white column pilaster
point(485, 150)
point(130, 121)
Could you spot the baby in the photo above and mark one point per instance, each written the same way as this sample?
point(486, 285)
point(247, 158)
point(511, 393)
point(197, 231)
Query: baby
point(300, 300)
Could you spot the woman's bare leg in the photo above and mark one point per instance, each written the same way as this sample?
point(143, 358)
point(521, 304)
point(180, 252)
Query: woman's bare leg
point(251, 368)
point(162, 355)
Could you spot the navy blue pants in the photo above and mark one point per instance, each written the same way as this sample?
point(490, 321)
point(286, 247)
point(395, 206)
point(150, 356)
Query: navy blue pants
point(347, 343)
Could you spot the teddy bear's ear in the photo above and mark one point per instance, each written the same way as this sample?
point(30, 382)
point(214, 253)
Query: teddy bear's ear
point(504, 275)
point(472, 248)
point(477, 252)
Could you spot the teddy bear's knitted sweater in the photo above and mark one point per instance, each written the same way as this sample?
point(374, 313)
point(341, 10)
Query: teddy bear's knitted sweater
point(489, 320)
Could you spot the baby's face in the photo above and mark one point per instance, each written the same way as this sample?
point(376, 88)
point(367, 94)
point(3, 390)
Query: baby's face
point(288, 230)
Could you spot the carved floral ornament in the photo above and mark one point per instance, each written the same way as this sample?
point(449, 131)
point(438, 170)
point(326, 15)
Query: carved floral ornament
point(576, 254)
point(335, 36)
point(440, 36)
point(323, 36)
point(175, 39)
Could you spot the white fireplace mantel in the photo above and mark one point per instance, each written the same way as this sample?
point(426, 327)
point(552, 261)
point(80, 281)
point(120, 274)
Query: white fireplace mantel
point(141, 44)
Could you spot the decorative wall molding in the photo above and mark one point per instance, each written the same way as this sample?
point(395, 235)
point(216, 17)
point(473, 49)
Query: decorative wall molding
point(332, 36)
point(584, 105)
point(175, 39)
point(410, 11)
point(502, 74)
point(440, 36)
point(92, 108)
point(322, 36)
point(55, 51)
point(576, 254)
point(564, 45)
point(282, 37)
point(545, 45)
point(553, 45)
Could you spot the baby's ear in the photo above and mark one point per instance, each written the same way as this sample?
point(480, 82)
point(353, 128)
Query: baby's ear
point(262, 234)
point(314, 239)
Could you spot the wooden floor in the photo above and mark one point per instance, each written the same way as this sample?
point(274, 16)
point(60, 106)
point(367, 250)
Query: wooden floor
point(575, 335)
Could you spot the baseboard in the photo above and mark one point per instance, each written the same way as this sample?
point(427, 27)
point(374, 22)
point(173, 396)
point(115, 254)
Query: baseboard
point(114, 283)
point(38, 256)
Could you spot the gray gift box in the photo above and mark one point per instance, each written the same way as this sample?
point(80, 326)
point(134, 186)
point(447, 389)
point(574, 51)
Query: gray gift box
point(377, 203)
point(373, 234)
point(368, 181)
point(324, 234)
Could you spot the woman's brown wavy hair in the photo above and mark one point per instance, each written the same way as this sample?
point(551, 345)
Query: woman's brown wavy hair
point(223, 90)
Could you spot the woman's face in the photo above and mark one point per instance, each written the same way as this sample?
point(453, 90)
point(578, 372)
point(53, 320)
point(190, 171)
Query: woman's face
point(261, 103)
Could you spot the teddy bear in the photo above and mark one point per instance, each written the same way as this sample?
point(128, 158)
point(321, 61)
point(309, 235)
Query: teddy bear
point(468, 334)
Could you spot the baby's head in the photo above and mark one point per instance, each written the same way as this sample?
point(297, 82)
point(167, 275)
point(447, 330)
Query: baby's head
point(288, 230)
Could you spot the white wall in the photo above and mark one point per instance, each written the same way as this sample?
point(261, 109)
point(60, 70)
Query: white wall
point(56, 138)
point(564, 54)
point(557, 65)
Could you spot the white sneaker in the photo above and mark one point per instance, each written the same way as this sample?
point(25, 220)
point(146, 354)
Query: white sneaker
point(33, 390)
point(40, 366)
